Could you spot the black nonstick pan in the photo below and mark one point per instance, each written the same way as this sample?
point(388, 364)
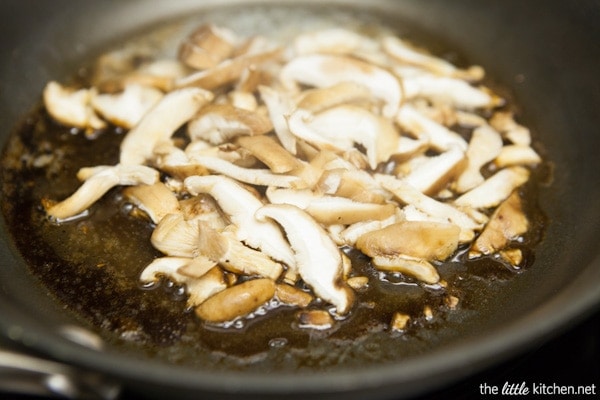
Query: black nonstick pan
point(545, 53)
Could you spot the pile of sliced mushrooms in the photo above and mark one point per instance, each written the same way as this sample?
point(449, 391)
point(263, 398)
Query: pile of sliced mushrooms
point(295, 152)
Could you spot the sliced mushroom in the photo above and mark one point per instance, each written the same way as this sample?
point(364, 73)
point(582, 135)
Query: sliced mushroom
point(439, 137)
point(484, 146)
point(351, 233)
point(333, 41)
point(175, 162)
point(331, 210)
point(128, 107)
point(98, 181)
point(418, 268)
point(271, 153)
point(515, 154)
point(227, 71)
point(318, 259)
point(155, 200)
point(171, 112)
point(207, 46)
point(357, 185)
point(167, 267)
point(451, 91)
point(253, 176)
point(346, 92)
point(176, 236)
point(197, 267)
point(236, 301)
point(436, 172)
point(504, 122)
point(342, 127)
point(418, 239)
point(292, 295)
point(495, 189)
point(234, 256)
point(220, 123)
point(441, 211)
point(204, 288)
point(506, 224)
point(240, 205)
point(406, 53)
point(159, 74)
point(279, 105)
point(71, 107)
point(315, 319)
point(327, 70)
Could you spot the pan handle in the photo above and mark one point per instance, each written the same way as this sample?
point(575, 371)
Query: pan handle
point(31, 375)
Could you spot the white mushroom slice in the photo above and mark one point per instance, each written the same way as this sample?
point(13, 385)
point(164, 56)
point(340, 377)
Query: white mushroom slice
point(236, 301)
point(203, 208)
point(318, 259)
point(484, 146)
point(408, 148)
point(240, 206)
point(243, 100)
point(351, 234)
point(279, 105)
point(230, 152)
point(330, 210)
point(514, 154)
point(199, 288)
point(440, 137)
point(98, 181)
point(127, 108)
point(504, 122)
point(495, 189)
point(159, 74)
point(171, 112)
point(357, 185)
point(155, 200)
point(506, 224)
point(418, 268)
point(227, 71)
point(271, 153)
point(406, 53)
point(167, 267)
point(451, 91)
point(71, 107)
point(253, 176)
point(419, 239)
point(234, 256)
point(206, 287)
point(436, 172)
point(440, 211)
point(320, 99)
point(176, 236)
point(197, 267)
point(333, 41)
point(207, 46)
point(175, 162)
point(327, 70)
point(345, 126)
point(220, 123)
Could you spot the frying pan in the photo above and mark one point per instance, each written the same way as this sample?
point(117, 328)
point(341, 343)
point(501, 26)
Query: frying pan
point(546, 52)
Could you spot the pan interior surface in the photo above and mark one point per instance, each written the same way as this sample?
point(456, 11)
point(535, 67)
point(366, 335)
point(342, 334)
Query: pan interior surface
point(501, 311)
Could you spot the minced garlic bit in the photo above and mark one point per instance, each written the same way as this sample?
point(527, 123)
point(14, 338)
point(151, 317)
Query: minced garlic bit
point(295, 150)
